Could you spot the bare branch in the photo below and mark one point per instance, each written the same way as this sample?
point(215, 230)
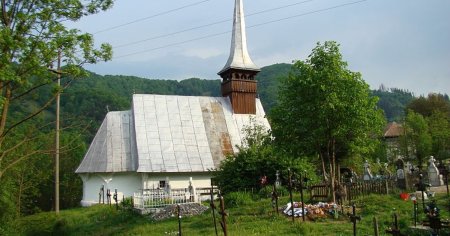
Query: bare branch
point(47, 104)
point(22, 158)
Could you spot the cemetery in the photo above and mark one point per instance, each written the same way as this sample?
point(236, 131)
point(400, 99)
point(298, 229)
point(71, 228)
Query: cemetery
point(418, 201)
point(382, 205)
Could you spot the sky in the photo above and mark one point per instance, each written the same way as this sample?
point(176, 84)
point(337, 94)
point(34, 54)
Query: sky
point(400, 44)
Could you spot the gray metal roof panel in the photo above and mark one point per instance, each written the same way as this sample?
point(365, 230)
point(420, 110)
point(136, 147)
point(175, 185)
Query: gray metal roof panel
point(111, 150)
point(167, 134)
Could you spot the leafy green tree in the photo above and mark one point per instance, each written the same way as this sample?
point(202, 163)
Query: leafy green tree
point(417, 142)
point(326, 110)
point(33, 35)
point(256, 158)
point(21, 183)
point(433, 103)
point(439, 128)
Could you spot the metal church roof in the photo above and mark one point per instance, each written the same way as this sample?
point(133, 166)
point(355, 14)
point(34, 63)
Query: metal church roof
point(239, 57)
point(113, 148)
point(169, 134)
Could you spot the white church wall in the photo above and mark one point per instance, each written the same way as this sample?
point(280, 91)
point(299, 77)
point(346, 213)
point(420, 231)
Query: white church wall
point(126, 184)
point(176, 180)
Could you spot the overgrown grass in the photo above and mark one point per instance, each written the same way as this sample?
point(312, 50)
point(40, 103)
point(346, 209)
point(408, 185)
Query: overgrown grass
point(251, 216)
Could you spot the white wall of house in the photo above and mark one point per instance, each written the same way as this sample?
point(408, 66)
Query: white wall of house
point(176, 180)
point(126, 184)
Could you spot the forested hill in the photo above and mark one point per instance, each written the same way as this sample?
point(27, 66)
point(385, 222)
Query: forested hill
point(90, 98)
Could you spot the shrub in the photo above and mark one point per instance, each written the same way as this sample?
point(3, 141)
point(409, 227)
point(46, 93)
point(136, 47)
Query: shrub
point(127, 203)
point(236, 199)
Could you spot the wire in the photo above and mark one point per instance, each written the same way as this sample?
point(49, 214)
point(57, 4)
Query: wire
point(152, 16)
point(252, 26)
point(308, 13)
point(206, 25)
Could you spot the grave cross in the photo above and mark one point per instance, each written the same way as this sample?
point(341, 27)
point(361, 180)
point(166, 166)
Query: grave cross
point(422, 187)
point(108, 197)
point(416, 210)
point(304, 179)
point(100, 194)
point(394, 230)
point(354, 218)
point(224, 215)
point(275, 198)
point(115, 198)
point(213, 207)
point(290, 194)
point(434, 219)
point(179, 219)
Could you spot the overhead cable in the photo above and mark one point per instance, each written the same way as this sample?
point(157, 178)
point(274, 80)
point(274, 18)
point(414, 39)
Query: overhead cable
point(252, 26)
point(152, 16)
point(206, 25)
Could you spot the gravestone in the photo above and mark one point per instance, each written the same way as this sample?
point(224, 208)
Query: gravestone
point(400, 174)
point(167, 187)
point(386, 173)
point(409, 167)
point(192, 191)
point(434, 177)
point(277, 180)
point(367, 174)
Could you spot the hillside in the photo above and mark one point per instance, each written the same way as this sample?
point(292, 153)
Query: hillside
point(89, 99)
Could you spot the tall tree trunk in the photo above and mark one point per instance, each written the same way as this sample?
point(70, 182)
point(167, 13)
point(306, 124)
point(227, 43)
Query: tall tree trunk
point(333, 167)
point(19, 196)
point(324, 170)
point(4, 114)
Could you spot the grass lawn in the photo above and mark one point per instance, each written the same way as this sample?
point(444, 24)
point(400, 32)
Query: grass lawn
point(252, 218)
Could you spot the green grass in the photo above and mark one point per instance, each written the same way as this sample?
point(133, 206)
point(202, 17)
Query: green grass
point(254, 218)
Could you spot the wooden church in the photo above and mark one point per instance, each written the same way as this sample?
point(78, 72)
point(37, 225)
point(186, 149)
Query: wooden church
point(168, 139)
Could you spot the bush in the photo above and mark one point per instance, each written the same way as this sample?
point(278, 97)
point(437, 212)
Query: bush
point(236, 199)
point(266, 192)
point(127, 203)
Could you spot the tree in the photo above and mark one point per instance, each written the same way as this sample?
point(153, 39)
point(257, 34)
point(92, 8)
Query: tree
point(326, 110)
point(439, 128)
point(32, 34)
point(433, 103)
point(417, 138)
point(256, 158)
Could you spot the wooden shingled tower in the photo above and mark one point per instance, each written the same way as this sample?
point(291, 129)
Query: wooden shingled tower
point(239, 73)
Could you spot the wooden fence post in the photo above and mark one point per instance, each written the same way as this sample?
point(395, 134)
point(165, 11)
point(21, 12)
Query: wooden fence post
point(375, 226)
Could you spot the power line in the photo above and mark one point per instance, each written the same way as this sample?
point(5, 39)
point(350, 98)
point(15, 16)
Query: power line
point(206, 25)
point(252, 26)
point(308, 13)
point(152, 16)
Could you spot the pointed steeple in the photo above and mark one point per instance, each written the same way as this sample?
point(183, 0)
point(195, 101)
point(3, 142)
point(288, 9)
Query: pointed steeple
point(239, 72)
point(239, 57)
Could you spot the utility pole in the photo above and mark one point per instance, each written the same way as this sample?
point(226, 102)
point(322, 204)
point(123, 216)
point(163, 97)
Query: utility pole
point(57, 135)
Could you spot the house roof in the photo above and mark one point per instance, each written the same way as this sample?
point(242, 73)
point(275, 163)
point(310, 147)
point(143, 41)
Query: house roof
point(393, 130)
point(239, 57)
point(113, 148)
point(169, 134)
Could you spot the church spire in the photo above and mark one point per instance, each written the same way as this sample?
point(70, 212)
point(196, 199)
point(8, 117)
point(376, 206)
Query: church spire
point(239, 57)
point(239, 72)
